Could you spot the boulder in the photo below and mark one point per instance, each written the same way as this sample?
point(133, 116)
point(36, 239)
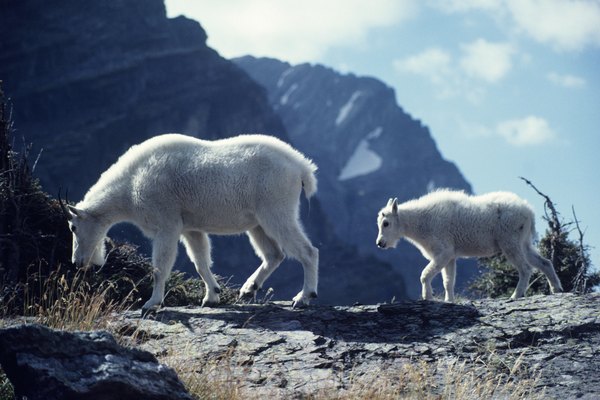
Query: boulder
point(42, 363)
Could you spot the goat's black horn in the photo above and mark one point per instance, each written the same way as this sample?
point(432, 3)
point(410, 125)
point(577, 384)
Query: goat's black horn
point(62, 205)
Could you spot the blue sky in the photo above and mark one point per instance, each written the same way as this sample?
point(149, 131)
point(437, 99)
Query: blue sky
point(508, 88)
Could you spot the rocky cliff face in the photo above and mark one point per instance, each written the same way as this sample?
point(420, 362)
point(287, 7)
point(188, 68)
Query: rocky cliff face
point(367, 147)
point(88, 80)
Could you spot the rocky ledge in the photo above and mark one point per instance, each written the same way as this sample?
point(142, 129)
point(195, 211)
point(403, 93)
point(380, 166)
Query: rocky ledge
point(550, 345)
point(552, 340)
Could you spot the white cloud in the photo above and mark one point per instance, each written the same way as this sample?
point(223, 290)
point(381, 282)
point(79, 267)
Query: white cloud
point(565, 24)
point(486, 60)
point(439, 68)
point(567, 81)
point(528, 131)
point(481, 61)
point(295, 31)
point(453, 6)
point(473, 130)
point(433, 63)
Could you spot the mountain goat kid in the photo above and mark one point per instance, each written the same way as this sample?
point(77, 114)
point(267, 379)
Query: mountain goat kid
point(179, 187)
point(445, 225)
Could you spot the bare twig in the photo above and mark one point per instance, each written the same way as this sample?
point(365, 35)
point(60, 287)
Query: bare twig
point(553, 220)
point(37, 160)
point(556, 227)
point(580, 281)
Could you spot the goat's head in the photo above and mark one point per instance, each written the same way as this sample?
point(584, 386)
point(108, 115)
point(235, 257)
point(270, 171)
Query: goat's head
point(390, 230)
point(88, 236)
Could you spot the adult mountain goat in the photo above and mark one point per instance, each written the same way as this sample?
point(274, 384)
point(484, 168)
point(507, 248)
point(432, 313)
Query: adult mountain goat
point(445, 225)
point(178, 187)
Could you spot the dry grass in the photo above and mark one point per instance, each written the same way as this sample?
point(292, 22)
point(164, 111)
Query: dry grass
point(463, 382)
point(220, 378)
point(213, 379)
point(441, 380)
point(65, 304)
point(70, 303)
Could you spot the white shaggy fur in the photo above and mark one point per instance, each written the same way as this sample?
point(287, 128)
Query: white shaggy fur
point(178, 187)
point(445, 225)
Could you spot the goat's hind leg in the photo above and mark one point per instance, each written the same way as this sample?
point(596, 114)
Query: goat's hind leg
point(537, 261)
point(517, 258)
point(197, 245)
point(302, 250)
point(271, 255)
point(294, 243)
point(164, 252)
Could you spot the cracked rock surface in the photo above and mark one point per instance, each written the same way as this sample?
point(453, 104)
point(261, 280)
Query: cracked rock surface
point(275, 350)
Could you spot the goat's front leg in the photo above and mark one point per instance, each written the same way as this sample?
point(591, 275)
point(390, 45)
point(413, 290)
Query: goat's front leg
point(197, 245)
point(429, 272)
point(164, 251)
point(449, 279)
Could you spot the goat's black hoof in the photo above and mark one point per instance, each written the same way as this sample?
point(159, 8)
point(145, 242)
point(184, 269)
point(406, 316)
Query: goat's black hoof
point(248, 295)
point(210, 303)
point(148, 312)
point(299, 304)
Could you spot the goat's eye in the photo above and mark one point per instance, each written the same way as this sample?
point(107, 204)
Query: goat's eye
point(385, 224)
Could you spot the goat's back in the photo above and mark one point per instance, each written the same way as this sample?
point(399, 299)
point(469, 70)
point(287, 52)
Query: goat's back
point(183, 174)
point(476, 225)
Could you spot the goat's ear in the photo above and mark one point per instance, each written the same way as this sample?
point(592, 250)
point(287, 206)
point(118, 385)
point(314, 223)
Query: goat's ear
point(395, 206)
point(76, 212)
point(390, 201)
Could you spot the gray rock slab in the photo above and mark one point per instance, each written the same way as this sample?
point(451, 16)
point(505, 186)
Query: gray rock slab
point(276, 350)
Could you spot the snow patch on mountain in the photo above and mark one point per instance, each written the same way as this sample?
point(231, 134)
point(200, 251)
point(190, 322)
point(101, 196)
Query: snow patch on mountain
point(431, 186)
point(287, 94)
point(364, 160)
point(347, 108)
point(283, 76)
point(375, 133)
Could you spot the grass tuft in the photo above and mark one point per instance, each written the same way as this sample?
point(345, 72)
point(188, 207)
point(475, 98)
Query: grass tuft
point(220, 378)
point(214, 379)
point(441, 380)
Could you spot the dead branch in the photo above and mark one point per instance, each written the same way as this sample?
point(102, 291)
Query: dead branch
point(553, 220)
point(580, 281)
point(556, 227)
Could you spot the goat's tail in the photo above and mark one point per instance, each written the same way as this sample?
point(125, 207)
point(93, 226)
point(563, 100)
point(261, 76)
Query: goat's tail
point(534, 234)
point(309, 180)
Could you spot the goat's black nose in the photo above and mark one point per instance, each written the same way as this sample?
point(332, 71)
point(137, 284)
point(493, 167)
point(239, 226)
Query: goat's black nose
point(381, 244)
